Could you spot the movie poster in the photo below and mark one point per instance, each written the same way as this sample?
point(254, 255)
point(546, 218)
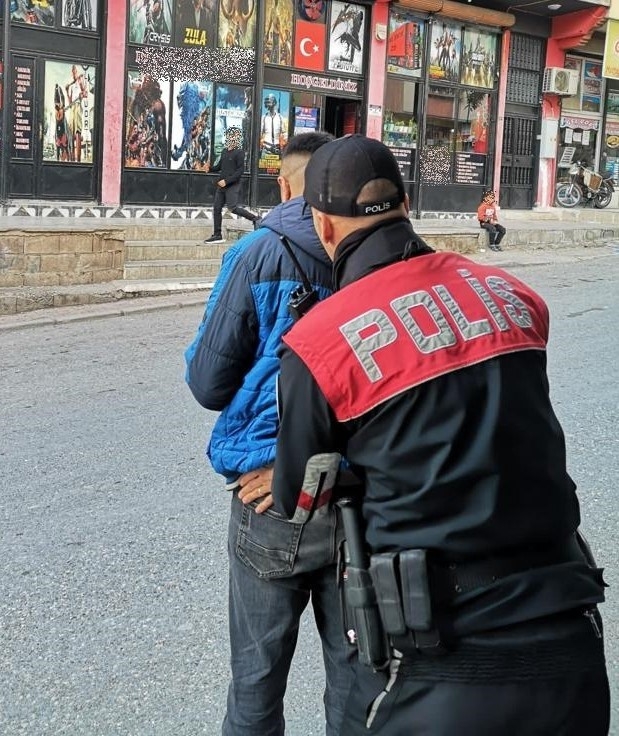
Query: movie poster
point(192, 109)
point(35, 12)
point(273, 130)
point(150, 22)
point(312, 10)
point(306, 119)
point(80, 14)
point(237, 23)
point(233, 109)
point(591, 86)
point(146, 128)
point(445, 52)
point(346, 38)
point(479, 59)
point(196, 23)
point(68, 112)
point(278, 32)
point(405, 44)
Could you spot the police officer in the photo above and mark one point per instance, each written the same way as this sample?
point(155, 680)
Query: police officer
point(427, 372)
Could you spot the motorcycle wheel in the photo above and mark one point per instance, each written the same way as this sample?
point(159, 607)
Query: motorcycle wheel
point(568, 194)
point(603, 197)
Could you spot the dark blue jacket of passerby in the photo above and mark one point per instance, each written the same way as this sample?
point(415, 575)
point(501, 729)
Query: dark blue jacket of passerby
point(232, 363)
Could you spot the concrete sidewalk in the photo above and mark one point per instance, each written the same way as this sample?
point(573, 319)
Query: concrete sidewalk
point(175, 298)
point(533, 237)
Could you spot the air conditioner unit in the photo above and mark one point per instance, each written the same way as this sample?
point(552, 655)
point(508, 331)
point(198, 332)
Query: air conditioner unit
point(560, 81)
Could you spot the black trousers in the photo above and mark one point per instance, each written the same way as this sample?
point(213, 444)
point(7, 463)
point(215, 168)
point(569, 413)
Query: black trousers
point(530, 680)
point(229, 197)
point(496, 232)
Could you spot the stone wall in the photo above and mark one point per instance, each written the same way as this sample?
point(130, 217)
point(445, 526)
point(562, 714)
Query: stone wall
point(61, 257)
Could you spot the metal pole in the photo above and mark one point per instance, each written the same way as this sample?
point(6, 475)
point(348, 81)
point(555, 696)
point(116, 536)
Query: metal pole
point(6, 78)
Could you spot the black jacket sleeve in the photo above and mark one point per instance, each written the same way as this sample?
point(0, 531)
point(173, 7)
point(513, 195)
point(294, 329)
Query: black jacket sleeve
point(307, 427)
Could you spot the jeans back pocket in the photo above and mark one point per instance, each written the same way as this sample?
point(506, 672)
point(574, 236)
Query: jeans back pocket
point(267, 542)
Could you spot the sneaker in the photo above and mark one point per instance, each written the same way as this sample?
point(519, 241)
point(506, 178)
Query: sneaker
point(257, 223)
point(215, 239)
point(495, 247)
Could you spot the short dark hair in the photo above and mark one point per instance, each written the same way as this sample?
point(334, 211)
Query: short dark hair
point(306, 143)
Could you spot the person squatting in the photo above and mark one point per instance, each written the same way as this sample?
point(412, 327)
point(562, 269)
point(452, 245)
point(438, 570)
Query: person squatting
point(470, 593)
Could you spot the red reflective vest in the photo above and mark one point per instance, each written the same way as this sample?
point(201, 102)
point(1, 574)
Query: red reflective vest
point(411, 322)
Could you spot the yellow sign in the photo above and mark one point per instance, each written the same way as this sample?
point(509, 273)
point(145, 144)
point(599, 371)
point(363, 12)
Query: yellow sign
point(610, 67)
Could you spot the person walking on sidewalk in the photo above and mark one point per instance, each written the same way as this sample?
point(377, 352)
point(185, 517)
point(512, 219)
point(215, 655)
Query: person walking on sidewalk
point(487, 216)
point(275, 566)
point(230, 166)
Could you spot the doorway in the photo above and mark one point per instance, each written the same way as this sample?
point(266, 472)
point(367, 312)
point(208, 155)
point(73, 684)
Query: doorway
point(342, 117)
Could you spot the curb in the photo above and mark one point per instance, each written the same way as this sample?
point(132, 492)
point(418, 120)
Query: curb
point(52, 316)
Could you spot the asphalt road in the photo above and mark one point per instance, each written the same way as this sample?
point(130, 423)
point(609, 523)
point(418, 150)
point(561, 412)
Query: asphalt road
point(112, 539)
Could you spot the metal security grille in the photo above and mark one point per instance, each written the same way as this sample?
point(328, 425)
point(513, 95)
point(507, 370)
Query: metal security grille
point(522, 111)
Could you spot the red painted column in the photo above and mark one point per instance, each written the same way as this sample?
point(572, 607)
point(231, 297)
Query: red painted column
point(113, 101)
point(377, 70)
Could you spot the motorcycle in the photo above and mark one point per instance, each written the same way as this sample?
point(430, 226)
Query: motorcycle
point(585, 185)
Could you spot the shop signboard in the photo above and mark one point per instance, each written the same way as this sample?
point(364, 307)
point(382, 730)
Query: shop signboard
point(470, 168)
point(23, 97)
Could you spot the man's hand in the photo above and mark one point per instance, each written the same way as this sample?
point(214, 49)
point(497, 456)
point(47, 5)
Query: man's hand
point(221, 183)
point(257, 484)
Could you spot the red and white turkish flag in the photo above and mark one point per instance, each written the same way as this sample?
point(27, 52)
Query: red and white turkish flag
point(309, 47)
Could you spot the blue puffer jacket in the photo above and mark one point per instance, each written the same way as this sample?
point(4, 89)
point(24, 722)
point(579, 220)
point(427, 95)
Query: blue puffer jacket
point(232, 363)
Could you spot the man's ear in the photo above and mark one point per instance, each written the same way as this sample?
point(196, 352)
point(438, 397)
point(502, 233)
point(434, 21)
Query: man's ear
point(284, 189)
point(324, 228)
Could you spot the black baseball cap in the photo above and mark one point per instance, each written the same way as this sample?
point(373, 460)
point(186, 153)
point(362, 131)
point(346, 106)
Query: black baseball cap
point(339, 170)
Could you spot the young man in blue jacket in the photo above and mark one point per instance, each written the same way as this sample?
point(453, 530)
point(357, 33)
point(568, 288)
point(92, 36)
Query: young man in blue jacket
point(276, 566)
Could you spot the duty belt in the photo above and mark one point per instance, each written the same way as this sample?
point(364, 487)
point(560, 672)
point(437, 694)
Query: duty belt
point(409, 584)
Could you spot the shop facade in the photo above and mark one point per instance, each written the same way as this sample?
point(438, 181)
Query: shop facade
point(155, 142)
point(126, 102)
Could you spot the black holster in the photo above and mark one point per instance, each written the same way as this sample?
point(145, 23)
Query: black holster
point(360, 613)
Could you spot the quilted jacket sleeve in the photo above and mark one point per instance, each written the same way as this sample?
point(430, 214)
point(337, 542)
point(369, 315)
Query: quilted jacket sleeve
point(225, 345)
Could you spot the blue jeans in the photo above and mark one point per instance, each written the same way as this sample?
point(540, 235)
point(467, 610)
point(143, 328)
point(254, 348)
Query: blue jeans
point(276, 567)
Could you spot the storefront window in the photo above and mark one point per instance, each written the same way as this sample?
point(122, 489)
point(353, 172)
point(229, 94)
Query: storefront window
point(457, 133)
point(589, 95)
point(577, 141)
point(610, 142)
point(440, 135)
point(400, 122)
